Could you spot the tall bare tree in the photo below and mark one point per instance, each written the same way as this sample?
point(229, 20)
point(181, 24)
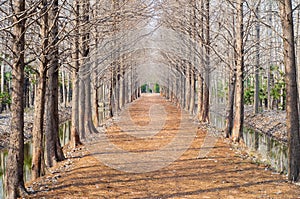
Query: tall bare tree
point(75, 139)
point(14, 174)
point(257, 66)
point(53, 147)
point(292, 117)
point(237, 130)
point(38, 123)
point(206, 75)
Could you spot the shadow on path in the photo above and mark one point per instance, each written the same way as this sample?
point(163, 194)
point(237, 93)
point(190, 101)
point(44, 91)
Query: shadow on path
point(221, 173)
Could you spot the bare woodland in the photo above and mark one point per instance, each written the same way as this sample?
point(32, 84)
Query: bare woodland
point(91, 55)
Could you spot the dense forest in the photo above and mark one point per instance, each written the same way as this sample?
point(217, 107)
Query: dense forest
point(92, 55)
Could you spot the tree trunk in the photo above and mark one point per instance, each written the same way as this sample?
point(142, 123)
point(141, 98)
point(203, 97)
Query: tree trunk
point(270, 78)
point(68, 89)
point(237, 131)
point(206, 82)
point(95, 107)
point(38, 125)
point(111, 96)
point(257, 45)
point(230, 105)
point(64, 93)
point(298, 51)
point(292, 116)
point(2, 73)
point(117, 88)
point(122, 86)
point(53, 148)
point(75, 140)
point(193, 90)
point(133, 91)
point(88, 106)
point(26, 92)
point(81, 109)
point(183, 90)
point(187, 86)
point(205, 103)
point(177, 89)
point(200, 96)
point(14, 183)
point(129, 91)
point(39, 109)
point(83, 55)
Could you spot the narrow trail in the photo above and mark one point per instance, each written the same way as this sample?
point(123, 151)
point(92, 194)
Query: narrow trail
point(115, 169)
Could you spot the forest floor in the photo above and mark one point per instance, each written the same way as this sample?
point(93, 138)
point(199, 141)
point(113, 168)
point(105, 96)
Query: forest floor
point(98, 169)
point(5, 118)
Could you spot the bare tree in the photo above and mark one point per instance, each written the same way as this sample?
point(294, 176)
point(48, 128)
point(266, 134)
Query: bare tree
point(14, 174)
point(38, 125)
point(239, 89)
point(75, 139)
point(53, 147)
point(286, 15)
point(257, 67)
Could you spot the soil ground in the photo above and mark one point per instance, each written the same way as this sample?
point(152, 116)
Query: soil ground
point(221, 174)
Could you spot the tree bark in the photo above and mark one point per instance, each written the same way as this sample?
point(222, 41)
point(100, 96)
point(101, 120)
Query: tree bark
point(183, 90)
point(292, 117)
point(200, 96)
point(237, 131)
point(81, 109)
point(298, 52)
point(187, 86)
point(206, 80)
point(117, 87)
point(83, 57)
point(111, 95)
point(2, 73)
point(270, 78)
point(88, 106)
point(230, 105)
point(39, 109)
point(75, 139)
point(193, 90)
point(14, 174)
point(53, 147)
point(68, 97)
point(205, 103)
point(129, 82)
point(64, 93)
point(122, 86)
point(38, 125)
point(95, 107)
point(257, 66)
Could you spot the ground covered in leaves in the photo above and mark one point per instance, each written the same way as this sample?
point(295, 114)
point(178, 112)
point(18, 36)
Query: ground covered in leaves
point(270, 122)
point(220, 172)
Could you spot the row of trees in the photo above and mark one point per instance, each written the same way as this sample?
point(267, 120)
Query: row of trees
point(44, 24)
point(82, 38)
point(30, 87)
point(247, 49)
point(104, 46)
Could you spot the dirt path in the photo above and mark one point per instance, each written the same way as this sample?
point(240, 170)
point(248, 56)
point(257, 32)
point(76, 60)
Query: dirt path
point(222, 174)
